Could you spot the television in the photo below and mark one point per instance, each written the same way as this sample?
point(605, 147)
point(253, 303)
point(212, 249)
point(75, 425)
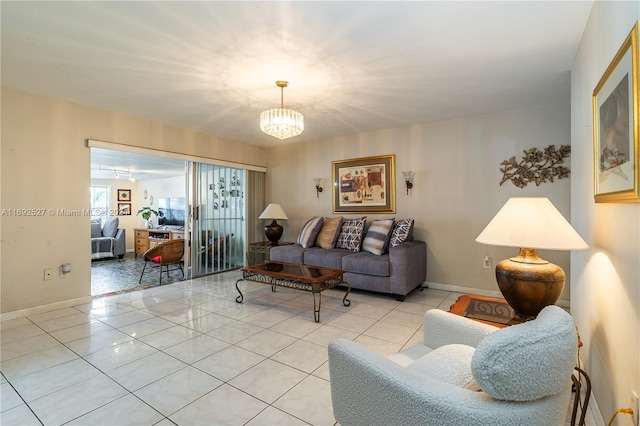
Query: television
point(171, 211)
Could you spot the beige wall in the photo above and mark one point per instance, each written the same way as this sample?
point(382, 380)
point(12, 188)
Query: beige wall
point(605, 289)
point(46, 165)
point(456, 188)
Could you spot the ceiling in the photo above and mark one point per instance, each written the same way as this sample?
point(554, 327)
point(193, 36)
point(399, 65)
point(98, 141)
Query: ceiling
point(105, 163)
point(353, 67)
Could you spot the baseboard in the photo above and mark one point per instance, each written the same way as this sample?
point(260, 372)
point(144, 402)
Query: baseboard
point(45, 308)
point(478, 291)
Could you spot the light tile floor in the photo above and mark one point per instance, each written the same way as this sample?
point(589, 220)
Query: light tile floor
point(188, 354)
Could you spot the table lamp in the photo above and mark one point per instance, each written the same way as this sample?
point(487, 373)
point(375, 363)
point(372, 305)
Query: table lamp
point(527, 282)
point(273, 231)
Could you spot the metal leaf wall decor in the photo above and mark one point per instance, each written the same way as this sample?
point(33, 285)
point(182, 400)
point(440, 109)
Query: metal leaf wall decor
point(536, 166)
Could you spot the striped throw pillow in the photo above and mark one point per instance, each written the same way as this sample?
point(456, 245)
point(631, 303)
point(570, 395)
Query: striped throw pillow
point(377, 237)
point(309, 232)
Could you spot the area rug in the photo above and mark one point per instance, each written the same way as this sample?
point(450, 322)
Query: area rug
point(113, 276)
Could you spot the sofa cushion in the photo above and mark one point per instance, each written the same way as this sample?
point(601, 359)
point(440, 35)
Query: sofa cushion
point(449, 363)
point(377, 238)
point(329, 258)
point(402, 231)
point(329, 232)
point(527, 361)
point(367, 264)
point(350, 237)
point(309, 232)
point(96, 230)
point(110, 227)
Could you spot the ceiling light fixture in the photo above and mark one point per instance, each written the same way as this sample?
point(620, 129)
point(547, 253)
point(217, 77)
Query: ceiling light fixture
point(280, 122)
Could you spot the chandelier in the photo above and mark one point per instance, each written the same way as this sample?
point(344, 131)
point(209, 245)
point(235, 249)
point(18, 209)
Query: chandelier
point(280, 122)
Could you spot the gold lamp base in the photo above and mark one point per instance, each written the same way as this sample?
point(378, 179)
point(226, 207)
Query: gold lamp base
point(529, 283)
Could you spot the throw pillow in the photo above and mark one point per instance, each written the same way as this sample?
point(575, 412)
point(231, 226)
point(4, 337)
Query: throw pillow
point(449, 363)
point(350, 237)
point(110, 228)
point(96, 230)
point(329, 232)
point(403, 231)
point(527, 361)
point(377, 237)
point(309, 232)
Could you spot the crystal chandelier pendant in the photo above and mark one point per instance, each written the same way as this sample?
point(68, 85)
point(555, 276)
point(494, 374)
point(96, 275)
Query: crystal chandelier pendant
point(281, 123)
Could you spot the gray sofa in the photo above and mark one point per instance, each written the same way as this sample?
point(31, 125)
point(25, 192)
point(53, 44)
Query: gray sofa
point(398, 272)
point(107, 240)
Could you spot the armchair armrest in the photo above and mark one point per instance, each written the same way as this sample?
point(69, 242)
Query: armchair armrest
point(368, 389)
point(444, 328)
point(120, 244)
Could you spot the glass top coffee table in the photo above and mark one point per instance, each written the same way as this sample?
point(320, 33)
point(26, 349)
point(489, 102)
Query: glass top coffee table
point(300, 277)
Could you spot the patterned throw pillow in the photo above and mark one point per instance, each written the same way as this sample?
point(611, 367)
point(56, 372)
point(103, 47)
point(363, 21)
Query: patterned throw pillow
point(309, 232)
point(329, 232)
point(403, 231)
point(377, 237)
point(350, 237)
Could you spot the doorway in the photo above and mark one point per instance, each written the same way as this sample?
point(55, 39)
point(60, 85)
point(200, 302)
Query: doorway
point(212, 223)
point(127, 182)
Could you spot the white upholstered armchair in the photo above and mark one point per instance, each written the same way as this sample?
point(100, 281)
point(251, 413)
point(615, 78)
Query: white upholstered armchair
point(465, 373)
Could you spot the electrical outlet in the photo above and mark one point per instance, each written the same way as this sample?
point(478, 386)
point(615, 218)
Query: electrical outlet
point(635, 406)
point(48, 274)
point(486, 262)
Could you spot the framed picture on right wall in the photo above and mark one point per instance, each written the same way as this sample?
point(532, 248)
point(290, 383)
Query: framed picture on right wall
point(615, 127)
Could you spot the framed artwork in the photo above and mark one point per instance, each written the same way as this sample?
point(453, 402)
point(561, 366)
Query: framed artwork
point(364, 185)
point(615, 127)
point(124, 209)
point(124, 195)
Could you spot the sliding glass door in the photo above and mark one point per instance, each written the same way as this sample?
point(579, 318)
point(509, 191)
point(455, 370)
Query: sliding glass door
point(218, 227)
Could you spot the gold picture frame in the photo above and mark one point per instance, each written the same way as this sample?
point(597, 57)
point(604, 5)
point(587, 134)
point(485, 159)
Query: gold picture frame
point(364, 185)
point(615, 127)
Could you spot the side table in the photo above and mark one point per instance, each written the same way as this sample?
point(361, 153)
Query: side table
point(259, 252)
point(488, 310)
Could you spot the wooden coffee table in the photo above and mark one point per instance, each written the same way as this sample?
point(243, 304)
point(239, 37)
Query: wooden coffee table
point(300, 277)
point(488, 310)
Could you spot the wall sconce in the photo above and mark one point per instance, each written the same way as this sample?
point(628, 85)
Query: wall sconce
point(408, 179)
point(318, 187)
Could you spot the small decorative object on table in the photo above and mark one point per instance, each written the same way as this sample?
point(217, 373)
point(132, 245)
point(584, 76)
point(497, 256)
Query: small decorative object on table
point(146, 213)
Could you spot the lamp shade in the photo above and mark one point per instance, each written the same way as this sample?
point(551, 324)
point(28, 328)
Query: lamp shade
point(531, 222)
point(273, 211)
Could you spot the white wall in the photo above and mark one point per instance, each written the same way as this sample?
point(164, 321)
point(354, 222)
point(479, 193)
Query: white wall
point(45, 164)
point(173, 187)
point(605, 288)
point(456, 188)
